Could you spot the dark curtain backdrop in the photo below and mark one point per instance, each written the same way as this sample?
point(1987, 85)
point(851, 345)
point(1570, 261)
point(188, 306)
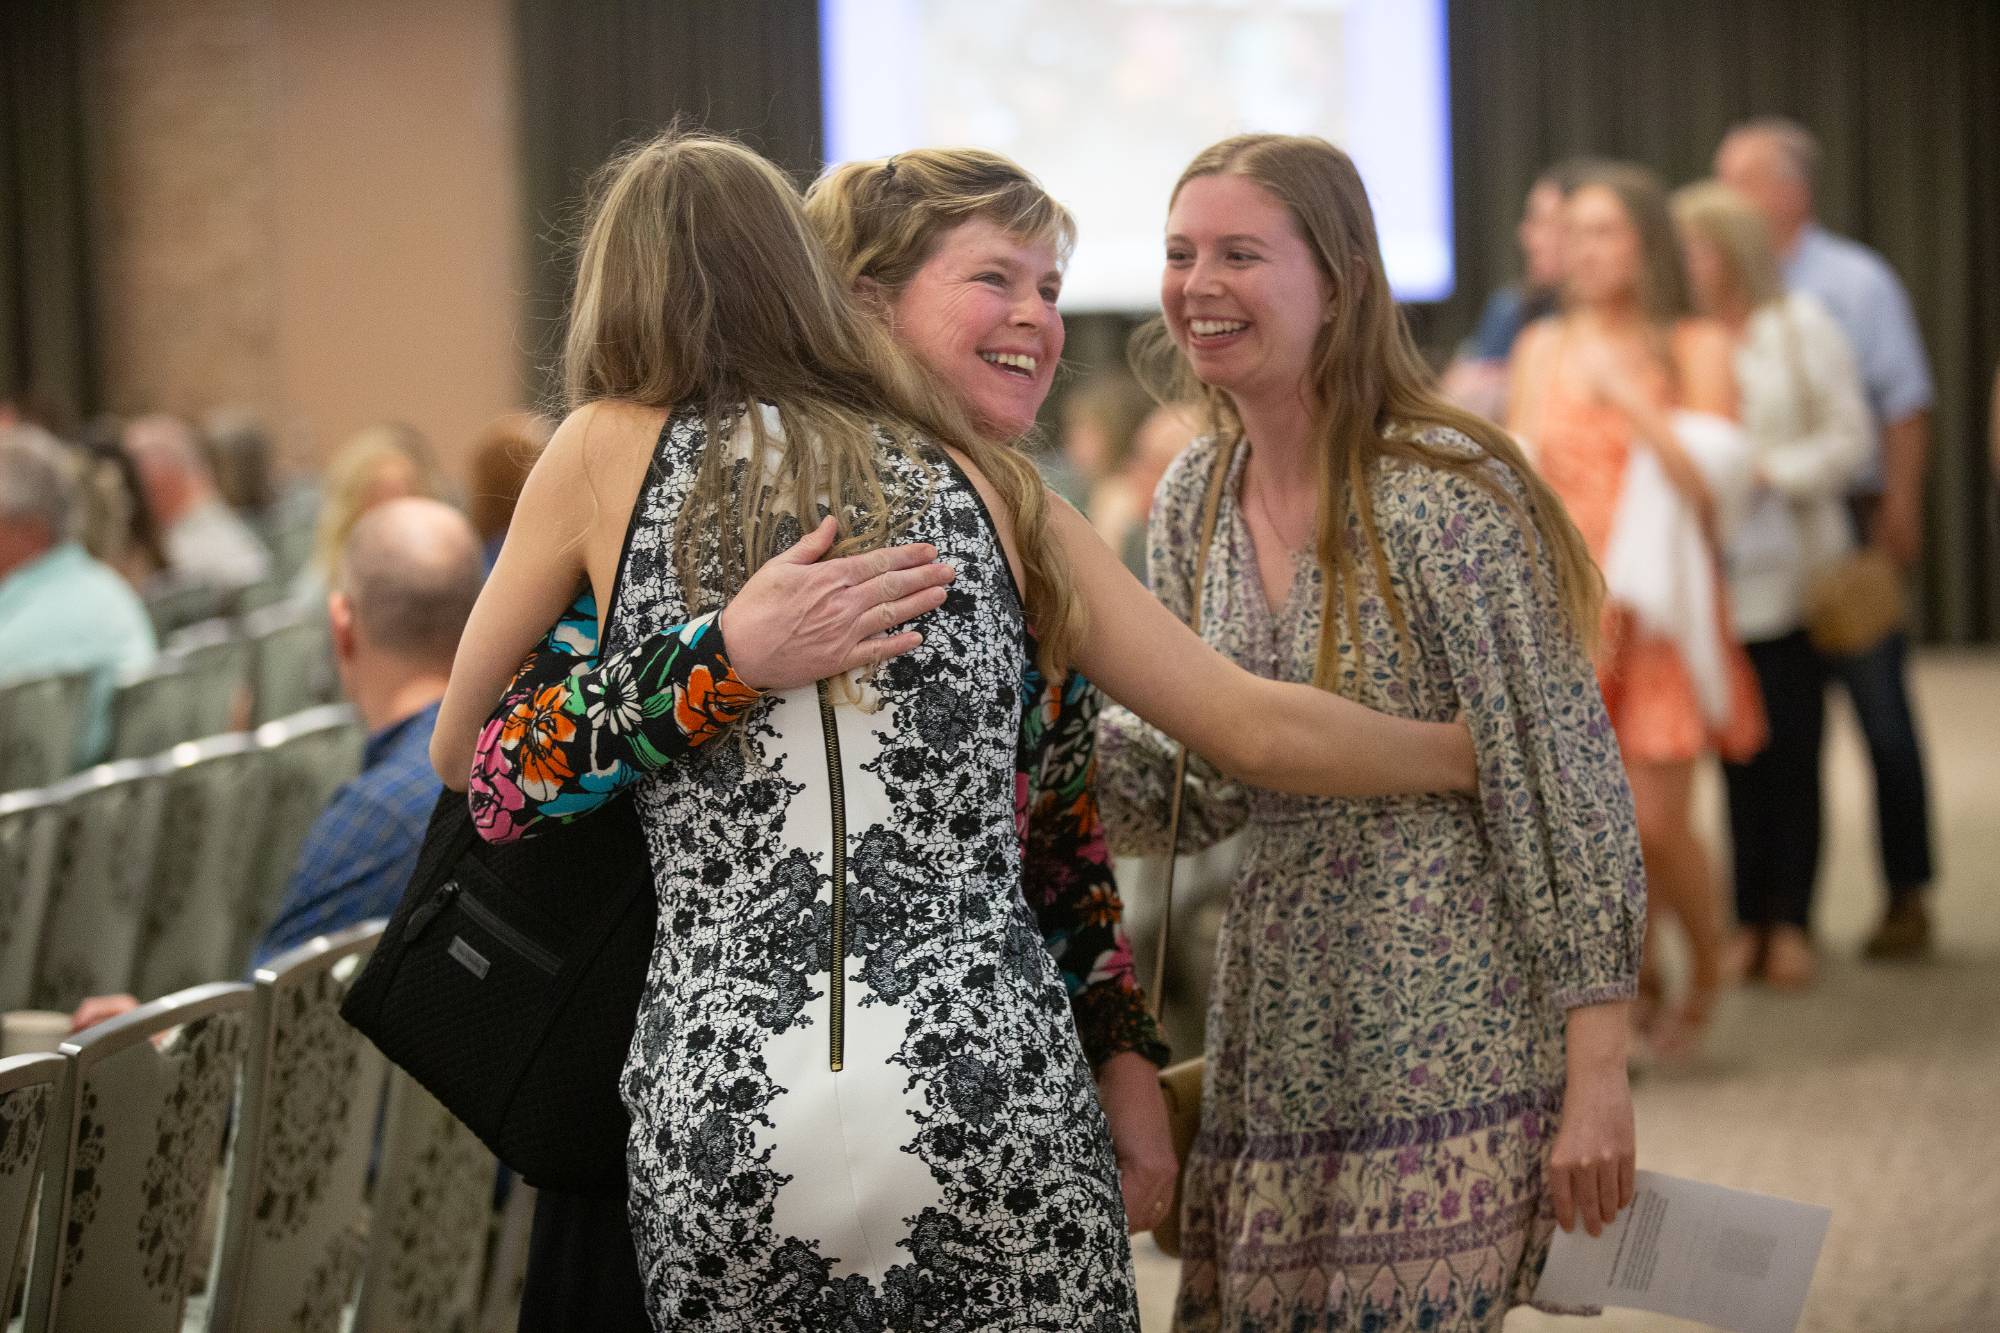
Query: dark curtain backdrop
point(45, 326)
point(596, 75)
point(1905, 97)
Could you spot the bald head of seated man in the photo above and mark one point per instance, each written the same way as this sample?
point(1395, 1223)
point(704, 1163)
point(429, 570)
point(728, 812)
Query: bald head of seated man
point(405, 584)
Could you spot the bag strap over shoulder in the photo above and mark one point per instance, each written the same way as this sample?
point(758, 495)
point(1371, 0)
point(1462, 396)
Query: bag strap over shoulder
point(1211, 507)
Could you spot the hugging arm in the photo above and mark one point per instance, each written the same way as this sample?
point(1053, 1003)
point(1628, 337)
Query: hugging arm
point(574, 728)
point(1274, 734)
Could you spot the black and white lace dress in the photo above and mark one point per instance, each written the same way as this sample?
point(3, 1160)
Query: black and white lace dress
point(910, 1140)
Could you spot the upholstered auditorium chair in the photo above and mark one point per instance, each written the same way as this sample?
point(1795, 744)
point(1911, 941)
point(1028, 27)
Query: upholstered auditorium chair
point(427, 1230)
point(30, 822)
point(108, 830)
point(158, 708)
point(292, 660)
point(211, 821)
point(306, 756)
point(31, 1086)
point(294, 1229)
point(41, 719)
point(137, 1140)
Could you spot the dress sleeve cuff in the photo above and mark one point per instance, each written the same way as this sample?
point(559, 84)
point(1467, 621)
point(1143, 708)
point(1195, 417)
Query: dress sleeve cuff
point(1609, 992)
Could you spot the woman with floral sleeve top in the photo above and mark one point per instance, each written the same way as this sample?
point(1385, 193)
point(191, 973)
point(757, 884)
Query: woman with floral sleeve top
point(565, 736)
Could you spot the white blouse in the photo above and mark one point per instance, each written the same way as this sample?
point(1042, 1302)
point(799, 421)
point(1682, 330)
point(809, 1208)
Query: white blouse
point(1808, 427)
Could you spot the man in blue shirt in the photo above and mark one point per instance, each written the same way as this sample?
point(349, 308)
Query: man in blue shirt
point(406, 582)
point(60, 610)
point(1771, 163)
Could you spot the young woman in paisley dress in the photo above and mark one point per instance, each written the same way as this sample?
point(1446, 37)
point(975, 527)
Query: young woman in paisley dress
point(1416, 1028)
point(857, 1095)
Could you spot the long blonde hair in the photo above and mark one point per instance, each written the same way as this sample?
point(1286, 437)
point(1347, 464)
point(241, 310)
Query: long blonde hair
point(701, 284)
point(1739, 235)
point(881, 221)
point(1372, 393)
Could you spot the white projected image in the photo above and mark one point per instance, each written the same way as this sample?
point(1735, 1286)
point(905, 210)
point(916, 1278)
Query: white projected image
point(1106, 100)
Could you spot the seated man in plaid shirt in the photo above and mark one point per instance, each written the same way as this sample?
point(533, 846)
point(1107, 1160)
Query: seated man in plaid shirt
point(407, 579)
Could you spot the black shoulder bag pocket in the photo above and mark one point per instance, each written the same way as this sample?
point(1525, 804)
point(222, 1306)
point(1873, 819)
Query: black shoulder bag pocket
point(508, 984)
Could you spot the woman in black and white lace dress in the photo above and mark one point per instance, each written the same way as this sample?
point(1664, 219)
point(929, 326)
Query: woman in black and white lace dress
point(910, 1138)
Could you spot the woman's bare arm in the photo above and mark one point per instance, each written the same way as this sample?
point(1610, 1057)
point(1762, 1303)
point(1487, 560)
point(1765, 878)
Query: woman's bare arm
point(1283, 736)
point(1527, 376)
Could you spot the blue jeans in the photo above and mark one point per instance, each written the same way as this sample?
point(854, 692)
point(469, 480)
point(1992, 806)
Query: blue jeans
point(1876, 683)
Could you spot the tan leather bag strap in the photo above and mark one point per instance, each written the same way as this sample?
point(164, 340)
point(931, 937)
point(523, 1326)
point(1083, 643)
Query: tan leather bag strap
point(1210, 508)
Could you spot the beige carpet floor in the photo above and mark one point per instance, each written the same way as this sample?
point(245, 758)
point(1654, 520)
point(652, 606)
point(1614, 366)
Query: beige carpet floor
point(1878, 1092)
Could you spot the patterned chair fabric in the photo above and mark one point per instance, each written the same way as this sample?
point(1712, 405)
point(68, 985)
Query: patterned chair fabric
point(41, 729)
point(149, 1103)
point(177, 604)
point(293, 662)
point(157, 709)
point(216, 652)
point(307, 755)
point(107, 832)
point(30, 1088)
point(212, 816)
point(30, 822)
point(289, 528)
point(427, 1233)
point(295, 1225)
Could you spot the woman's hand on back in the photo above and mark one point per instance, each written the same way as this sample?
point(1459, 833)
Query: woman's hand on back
point(801, 618)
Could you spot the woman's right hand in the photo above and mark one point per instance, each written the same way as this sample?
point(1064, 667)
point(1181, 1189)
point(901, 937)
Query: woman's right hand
point(801, 618)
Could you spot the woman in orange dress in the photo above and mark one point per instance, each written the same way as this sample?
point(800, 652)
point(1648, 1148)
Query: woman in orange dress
point(1591, 388)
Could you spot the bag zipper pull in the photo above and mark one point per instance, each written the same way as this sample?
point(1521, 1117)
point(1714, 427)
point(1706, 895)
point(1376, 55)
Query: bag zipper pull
point(425, 914)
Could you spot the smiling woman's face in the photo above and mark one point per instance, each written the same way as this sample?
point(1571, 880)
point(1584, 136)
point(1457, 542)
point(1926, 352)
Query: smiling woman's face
point(1241, 291)
point(981, 313)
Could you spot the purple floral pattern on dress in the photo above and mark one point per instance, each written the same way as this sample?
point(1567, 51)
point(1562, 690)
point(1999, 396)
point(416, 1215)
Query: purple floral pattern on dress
point(1385, 1026)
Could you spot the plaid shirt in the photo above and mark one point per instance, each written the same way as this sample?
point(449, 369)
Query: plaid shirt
point(363, 848)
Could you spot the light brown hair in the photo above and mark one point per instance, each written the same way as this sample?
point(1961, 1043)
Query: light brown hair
point(502, 457)
point(881, 220)
point(1740, 235)
point(1662, 282)
point(1372, 393)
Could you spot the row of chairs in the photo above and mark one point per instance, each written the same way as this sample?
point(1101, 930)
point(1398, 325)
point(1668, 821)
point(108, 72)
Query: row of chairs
point(287, 529)
point(122, 1131)
point(174, 604)
point(152, 875)
point(278, 658)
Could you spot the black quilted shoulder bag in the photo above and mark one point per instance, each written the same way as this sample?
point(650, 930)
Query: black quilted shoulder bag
point(508, 984)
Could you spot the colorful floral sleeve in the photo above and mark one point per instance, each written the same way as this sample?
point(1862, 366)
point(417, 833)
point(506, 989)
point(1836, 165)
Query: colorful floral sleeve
point(1066, 869)
point(574, 729)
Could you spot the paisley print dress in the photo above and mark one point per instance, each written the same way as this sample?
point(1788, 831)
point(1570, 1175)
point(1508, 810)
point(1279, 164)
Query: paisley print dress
point(858, 1098)
point(1385, 1026)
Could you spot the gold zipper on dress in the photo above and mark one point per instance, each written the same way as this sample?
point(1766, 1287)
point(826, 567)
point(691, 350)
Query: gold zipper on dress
point(836, 994)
